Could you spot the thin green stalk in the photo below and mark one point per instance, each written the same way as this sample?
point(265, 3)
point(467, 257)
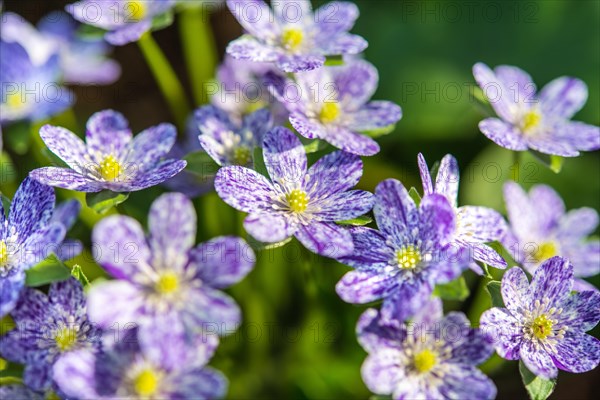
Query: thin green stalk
point(514, 169)
point(199, 49)
point(166, 78)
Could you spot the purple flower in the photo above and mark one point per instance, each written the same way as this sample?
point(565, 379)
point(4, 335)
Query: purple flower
point(433, 357)
point(291, 36)
point(543, 324)
point(333, 104)
point(83, 60)
point(296, 201)
point(26, 238)
point(47, 328)
point(110, 159)
point(227, 142)
point(541, 229)
point(165, 286)
point(411, 253)
point(123, 371)
point(539, 122)
point(475, 226)
point(126, 21)
point(19, 392)
point(66, 214)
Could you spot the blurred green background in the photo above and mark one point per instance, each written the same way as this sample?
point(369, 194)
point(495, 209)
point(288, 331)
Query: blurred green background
point(297, 340)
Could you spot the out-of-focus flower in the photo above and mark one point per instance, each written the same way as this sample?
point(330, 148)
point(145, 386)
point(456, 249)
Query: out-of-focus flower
point(432, 357)
point(66, 214)
point(166, 287)
point(19, 392)
point(227, 142)
point(111, 158)
point(475, 225)
point(296, 201)
point(543, 324)
point(125, 20)
point(539, 122)
point(26, 238)
point(333, 104)
point(83, 59)
point(413, 251)
point(123, 371)
point(291, 35)
point(541, 228)
point(47, 328)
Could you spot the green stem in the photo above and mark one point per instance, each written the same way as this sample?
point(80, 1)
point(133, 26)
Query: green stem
point(199, 49)
point(514, 169)
point(167, 79)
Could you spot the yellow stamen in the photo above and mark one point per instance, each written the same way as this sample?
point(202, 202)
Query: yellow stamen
point(297, 200)
point(242, 155)
point(329, 112)
point(136, 10)
point(110, 169)
point(146, 383)
point(292, 38)
point(408, 257)
point(545, 251)
point(424, 361)
point(3, 253)
point(14, 100)
point(542, 327)
point(65, 339)
point(531, 120)
point(167, 283)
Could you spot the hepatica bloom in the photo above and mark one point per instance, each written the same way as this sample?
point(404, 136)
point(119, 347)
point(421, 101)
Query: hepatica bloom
point(332, 104)
point(123, 371)
point(543, 324)
point(535, 121)
point(126, 21)
point(47, 328)
point(291, 35)
point(19, 392)
point(410, 254)
point(164, 285)
point(541, 229)
point(111, 158)
point(433, 357)
point(475, 225)
point(227, 142)
point(26, 238)
point(296, 200)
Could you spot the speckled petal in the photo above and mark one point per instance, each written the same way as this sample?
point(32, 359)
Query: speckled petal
point(345, 205)
point(497, 94)
point(19, 392)
point(306, 127)
point(486, 254)
point(406, 300)
point(362, 287)
point(336, 172)
point(10, 290)
point(503, 331)
point(436, 219)
point(503, 134)
point(161, 172)
point(255, 16)
point(537, 360)
point(162, 338)
point(381, 372)
point(447, 179)
point(129, 33)
point(580, 136)
point(74, 373)
point(66, 179)
point(119, 246)
point(40, 244)
point(244, 189)
point(343, 43)
point(480, 224)
point(373, 334)
point(68, 295)
point(355, 83)
point(66, 213)
point(336, 17)
point(350, 141)
point(285, 157)
point(66, 145)
point(469, 346)
point(126, 304)
point(577, 352)
point(465, 382)
point(325, 238)
point(430, 313)
point(107, 132)
point(394, 210)
point(425, 175)
point(563, 96)
point(31, 208)
point(222, 261)
point(552, 145)
point(300, 63)
point(552, 281)
point(210, 308)
point(248, 48)
point(205, 383)
point(149, 146)
point(269, 227)
point(370, 249)
point(258, 122)
point(172, 226)
point(375, 115)
point(581, 311)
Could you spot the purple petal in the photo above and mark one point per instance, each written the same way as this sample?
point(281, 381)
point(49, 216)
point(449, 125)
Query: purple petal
point(581, 311)
point(515, 290)
point(375, 115)
point(222, 261)
point(486, 254)
point(244, 189)
point(37, 373)
point(350, 141)
point(343, 43)
point(581, 285)
point(161, 172)
point(336, 172)
point(362, 287)
point(289, 11)
point(336, 17)
point(300, 63)
point(68, 295)
point(31, 208)
point(209, 308)
point(325, 238)
point(285, 157)
point(126, 304)
point(578, 223)
point(465, 382)
point(66, 145)
point(480, 224)
point(255, 16)
point(269, 227)
point(258, 122)
point(537, 360)
point(436, 219)
point(504, 332)
point(248, 48)
point(129, 33)
point(149, 146)
point(563, 97)
point(345, 205)
point(172, 226)
point(381, 372)
point(512, 76)
point(306, 127)
point(119, 246)
point(356, 82)
point(552, 145)
point(521, 212)
point(66, 213)
point(406, 300)
point(107, 132)
point(577, 353)
point(585, 257)
point(580, 136)
point(497, 94)
point(157, 337)
point(548, 205)
point(503, 134)
point(394, 210)
point(66, 179)
point(469, 346)
point(40, 244)
point(10, 290)
point(370, 249)
point(552, 281)
point(19, 392)
point(425, 175)
point(430, 313)
point(447, 179)
point(74, 373)
point(373, 334)
point(205, 383)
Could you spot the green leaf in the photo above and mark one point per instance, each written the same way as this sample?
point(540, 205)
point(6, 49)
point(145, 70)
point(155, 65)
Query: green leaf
point(333, 61)
point(201, 164)
point(162, 21)
point(103, 201)
point(77, 273)
point(48, 271)
point(493, 288)
point(359, 221)
point(314, 146)
point(538, 388)
point(18, 137)
point(415, 196)
point(259, 162)
point(375, 133)
point(8, 173)
point(5, 202)
point(455, 290)
point(10, 380)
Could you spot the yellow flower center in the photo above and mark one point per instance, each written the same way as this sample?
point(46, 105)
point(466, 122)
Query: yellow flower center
point(424, 361)
point(136, 10)
point(408, 257)
point(14, 100)
point(531, 120)
point(146, 383)
point(3, 253)
point(542, 327)
point(545, 251)
point(297, 200)
point(65, 339)
point(292, 38)
point(242, 155)
point(329, 112)
point(167, 283)
point(110, 169)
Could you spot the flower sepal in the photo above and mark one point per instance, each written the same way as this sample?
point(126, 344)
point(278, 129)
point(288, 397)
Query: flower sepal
point(52, 269)
point(103, 201)
point(555, 163)
point(537, 388)
point(334, 61)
